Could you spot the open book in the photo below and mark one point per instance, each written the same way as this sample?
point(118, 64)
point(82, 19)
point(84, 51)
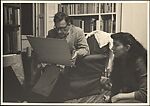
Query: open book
point(51, 50)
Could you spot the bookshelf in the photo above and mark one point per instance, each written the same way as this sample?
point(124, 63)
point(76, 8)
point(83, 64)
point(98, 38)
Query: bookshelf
point(11, 28)
point(93, 16)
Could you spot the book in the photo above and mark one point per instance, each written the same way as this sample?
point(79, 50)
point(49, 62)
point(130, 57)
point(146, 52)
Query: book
point(97, 25)
point(5, 15)
point(76, 22)
point(6, 46)
point(102, 25)
point(10, 11)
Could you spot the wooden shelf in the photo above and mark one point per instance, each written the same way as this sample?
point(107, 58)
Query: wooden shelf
point(13, 5)
point(11, 25)
point(8, 27)
point(95, 14)
point(108, 13)
point(81, 15)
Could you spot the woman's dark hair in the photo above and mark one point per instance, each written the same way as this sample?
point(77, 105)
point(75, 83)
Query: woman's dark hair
point(136, 49)
point(60, 16)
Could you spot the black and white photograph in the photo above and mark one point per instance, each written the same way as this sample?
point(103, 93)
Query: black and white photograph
point(74, 52)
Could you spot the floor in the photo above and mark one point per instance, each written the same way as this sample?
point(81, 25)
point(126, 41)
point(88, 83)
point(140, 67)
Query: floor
point(91, 99)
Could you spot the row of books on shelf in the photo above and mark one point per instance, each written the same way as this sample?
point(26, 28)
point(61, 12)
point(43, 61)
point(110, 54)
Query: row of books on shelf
point(86, 25)
point(11, 16)
point(11, 42)
point(107, 7)
point(90, 25)
point(108, 25)
point(86, 8)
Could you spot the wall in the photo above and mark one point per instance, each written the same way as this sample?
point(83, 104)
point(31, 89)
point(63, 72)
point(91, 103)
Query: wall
point(134, 20)
point(51, 9)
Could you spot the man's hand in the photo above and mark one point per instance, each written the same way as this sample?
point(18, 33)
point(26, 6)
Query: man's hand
point(106, 84)
point(106, 98)
point(75, 55)
point(73, 60)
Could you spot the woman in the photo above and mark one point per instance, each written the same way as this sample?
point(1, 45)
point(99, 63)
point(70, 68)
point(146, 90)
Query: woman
point(129, 74)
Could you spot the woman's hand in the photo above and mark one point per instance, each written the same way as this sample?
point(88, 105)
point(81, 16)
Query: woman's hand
point(116, 98)
point(120, 96)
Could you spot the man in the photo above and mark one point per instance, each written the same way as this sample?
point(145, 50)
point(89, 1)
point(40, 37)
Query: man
point(74, 35)
point(73, 82)
point(79, 48)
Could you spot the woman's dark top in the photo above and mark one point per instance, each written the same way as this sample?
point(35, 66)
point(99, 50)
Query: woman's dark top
point(130, 76)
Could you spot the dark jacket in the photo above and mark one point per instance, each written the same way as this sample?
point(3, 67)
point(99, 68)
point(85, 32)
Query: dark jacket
point(130, 76)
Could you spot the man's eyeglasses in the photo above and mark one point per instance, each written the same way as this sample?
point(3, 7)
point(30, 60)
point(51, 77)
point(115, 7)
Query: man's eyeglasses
point(61, 28)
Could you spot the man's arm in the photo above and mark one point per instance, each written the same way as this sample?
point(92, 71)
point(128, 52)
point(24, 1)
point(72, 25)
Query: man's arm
point(82, 45)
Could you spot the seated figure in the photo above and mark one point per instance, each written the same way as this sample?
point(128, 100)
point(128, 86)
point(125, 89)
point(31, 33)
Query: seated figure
point(129, 74)
point(83, 78)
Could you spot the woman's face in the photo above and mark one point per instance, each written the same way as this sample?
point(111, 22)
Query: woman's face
point(119, 49)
